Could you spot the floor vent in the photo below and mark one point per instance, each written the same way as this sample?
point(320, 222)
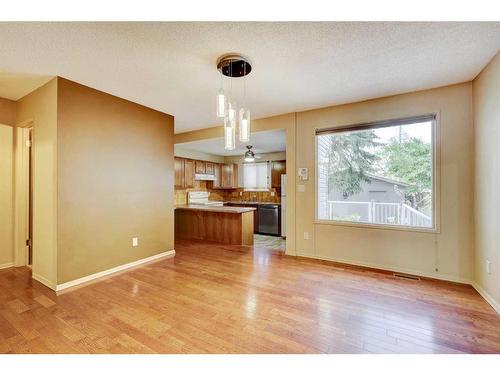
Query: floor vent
point(406, 277)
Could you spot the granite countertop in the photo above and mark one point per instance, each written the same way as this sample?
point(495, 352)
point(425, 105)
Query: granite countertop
point(250, 202)
point(223, 209)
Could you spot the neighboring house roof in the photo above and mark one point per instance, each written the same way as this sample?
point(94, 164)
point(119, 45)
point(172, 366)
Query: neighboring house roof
point(389, 180)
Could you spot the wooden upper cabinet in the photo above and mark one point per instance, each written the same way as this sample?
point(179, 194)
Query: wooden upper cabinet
point(179, 173)
point(209, 168)
point(229, 176)
point(200, 166)
point(277, 169)
point(189, 169)
point(217, 183)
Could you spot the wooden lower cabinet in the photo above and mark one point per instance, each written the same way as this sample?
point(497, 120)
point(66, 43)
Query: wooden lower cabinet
point(227, 228)
point(255, 213)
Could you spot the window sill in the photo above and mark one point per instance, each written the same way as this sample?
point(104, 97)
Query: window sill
point(377, 226)
point(257, 190)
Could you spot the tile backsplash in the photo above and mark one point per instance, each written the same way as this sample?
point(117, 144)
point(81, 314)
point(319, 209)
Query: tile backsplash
point(215, 195)
point(228, 195)
point(257, 196)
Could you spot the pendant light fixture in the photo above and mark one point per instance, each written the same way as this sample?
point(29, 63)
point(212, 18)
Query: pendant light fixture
point(233, 66)
point(221, 103)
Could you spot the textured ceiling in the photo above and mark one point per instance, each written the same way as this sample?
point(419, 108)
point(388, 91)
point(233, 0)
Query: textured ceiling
point(266, 141)
point(296, 66)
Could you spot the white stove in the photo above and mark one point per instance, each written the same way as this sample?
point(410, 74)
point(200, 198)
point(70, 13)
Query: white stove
point(201, 198)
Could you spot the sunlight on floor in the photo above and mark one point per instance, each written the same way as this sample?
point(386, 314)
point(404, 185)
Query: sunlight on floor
point(270, 242)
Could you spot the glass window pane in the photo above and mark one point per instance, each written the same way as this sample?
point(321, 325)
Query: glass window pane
point(255, 176)
point(378, 175)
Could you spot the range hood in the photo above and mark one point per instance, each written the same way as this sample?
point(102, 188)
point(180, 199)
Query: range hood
point(204, 177)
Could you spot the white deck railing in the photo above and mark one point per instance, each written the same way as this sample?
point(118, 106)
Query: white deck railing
point(378, 213)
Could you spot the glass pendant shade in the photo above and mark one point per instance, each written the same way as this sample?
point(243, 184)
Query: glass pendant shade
point(221, 103)
point(244, 120)
point(231, 111)
point(229, 135)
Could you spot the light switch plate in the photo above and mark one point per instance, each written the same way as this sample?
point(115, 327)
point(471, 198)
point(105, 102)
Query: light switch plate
point(301, 188)
point(488, 267)
point(135, 241)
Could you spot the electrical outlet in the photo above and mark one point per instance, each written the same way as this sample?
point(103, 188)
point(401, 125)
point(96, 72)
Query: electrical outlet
point(301, 188)
point(135, 241)
point(488, 267)
point(241, 193)
point(273, 193)
point(306, 235)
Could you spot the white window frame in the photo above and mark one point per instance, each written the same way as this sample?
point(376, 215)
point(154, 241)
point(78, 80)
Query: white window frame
point(436, 172)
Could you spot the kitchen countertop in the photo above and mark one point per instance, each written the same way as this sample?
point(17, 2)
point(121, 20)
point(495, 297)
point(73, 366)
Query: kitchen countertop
point(249, 202)
point(223, 209)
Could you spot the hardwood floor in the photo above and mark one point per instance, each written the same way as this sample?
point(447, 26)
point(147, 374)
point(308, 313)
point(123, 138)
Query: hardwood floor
point(231, 299)
point(270, 242)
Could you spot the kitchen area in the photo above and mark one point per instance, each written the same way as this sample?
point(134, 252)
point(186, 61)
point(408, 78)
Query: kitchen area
point(235, 197)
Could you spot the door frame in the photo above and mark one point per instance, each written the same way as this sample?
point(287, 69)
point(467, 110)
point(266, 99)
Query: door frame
point(22, 192)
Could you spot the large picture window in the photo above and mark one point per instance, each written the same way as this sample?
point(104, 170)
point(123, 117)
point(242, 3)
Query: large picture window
point(380, 173)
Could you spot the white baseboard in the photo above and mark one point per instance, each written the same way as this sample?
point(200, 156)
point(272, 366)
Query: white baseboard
point(390, 268)
point(86, 279)
point(6, 265)
point(487, 297)
point(44, 281)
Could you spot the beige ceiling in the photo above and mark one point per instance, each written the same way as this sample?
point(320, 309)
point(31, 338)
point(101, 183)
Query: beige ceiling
point(14, 86)
point(296, 66)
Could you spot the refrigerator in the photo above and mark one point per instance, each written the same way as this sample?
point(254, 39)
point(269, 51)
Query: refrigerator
point(283, 205)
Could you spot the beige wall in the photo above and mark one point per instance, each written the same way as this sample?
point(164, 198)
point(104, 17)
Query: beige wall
point(40, 108)
point(115, 173)
point(451, 250)
point(6, 196)
point(486, 94)
point(7, 112)
point(7, 121)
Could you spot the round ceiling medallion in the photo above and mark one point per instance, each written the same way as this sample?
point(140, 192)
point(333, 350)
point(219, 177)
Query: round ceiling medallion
point(234, 65)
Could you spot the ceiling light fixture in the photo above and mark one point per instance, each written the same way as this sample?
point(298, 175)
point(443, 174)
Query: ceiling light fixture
point(249, 155)
point(233, 66)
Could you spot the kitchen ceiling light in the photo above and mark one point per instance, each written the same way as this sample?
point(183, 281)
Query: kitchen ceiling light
point(233, 65)
point(249, 155)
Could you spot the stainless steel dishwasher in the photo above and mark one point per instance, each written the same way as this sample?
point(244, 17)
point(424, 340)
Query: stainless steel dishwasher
point(269, 219)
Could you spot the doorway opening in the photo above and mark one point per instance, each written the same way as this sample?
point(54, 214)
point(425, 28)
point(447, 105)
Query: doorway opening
point(251, 175)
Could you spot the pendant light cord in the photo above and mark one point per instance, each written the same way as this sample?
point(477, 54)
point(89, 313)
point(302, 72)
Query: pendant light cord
point(244, 85)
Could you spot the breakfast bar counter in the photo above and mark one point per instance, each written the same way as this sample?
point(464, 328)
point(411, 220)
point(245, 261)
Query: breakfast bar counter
point(222, 224)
